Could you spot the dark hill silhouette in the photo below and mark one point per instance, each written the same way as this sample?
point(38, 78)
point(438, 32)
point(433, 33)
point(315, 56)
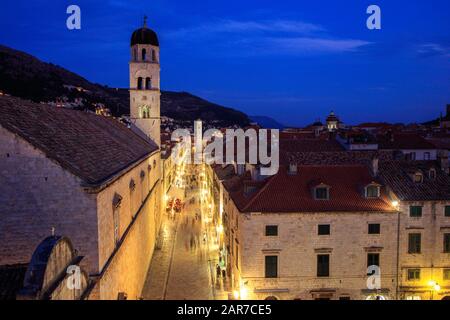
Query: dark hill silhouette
point(23, 75)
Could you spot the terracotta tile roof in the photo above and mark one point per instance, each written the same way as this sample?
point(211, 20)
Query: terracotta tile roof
point(357, 137)
point(440, 143)
point(382, 125)
point(334, 158)
point(404, 141)
point(297, 135)
point(293, 193)
point(398, 176)
point(309, 145)
point(91, 147)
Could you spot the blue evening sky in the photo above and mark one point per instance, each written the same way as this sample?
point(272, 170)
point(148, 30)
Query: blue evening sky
point(291, 60)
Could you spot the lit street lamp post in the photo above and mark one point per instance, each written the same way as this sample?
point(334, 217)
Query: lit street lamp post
point(435, 287)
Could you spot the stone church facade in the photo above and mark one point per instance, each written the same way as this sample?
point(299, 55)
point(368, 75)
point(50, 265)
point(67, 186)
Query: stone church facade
point(88, 178)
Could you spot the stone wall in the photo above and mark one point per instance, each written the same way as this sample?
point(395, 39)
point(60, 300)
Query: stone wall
point(63, 292)
point(298, 244)
point(125, 264)
point(432, 260)
point(36, 195)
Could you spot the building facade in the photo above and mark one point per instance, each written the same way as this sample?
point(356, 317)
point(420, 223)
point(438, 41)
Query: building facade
point(336, 228)
point(283, 243)
point(89, 178)
point(421, 190)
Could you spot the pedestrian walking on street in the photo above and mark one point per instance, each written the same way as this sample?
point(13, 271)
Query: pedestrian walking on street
point(192, 241)
point(218, 271)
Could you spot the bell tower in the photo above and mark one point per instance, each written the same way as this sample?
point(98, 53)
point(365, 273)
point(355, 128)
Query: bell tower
point(145, 91)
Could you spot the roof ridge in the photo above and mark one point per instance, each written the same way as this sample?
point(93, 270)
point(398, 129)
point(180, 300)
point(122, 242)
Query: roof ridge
point(90, 147)
point(260, 191)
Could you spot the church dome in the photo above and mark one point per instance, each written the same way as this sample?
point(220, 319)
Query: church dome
point(332, 117)
point(144, 35)
point(318, 123)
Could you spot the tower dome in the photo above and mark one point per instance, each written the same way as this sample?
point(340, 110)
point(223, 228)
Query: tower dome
point(144, 35)
point(333, 121)
point(145, 92)
point(332, 117)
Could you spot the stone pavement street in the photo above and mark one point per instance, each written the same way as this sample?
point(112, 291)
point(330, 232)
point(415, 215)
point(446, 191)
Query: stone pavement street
point(155, 284)
point(183, 267)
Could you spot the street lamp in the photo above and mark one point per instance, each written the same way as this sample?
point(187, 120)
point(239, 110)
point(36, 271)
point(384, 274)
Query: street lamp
point(435, 287)
point(243, 292)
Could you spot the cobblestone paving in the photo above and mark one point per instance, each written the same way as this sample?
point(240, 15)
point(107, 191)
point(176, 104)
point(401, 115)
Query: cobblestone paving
point(190, 274)
point(181, 269)
point(155, 283)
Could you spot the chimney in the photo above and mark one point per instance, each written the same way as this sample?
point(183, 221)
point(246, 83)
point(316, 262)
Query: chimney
point(444, 163)
point(375, 166)
point(292, 168)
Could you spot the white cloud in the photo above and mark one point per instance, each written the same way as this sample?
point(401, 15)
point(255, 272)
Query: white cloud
point(266, 37)
point(267, 26)
point(433, 49)
point(296, 45)
point(245, 27)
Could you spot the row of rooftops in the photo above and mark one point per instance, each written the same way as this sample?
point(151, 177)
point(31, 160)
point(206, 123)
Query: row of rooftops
point(292, 190)
point(332, 118)
point(307, 162)
point(380, 135)
point(71, 138)
point(391, 139)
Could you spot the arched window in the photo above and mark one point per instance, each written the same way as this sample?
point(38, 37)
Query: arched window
point(145, 112)
point(117, 201)
point(148, 83)
point(135, 55)
point(132, 185)
point(139, 83)
point(153, 55)
point(144, 54)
